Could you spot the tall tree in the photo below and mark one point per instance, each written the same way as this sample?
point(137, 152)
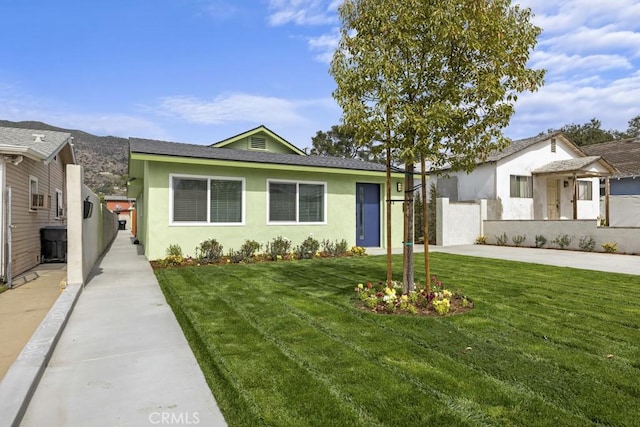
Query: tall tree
point(633, 131)
point(432, 78)
point(588, 133)
point(339, 141)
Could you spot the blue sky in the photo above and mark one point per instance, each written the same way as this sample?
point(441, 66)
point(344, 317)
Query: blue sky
point(199, 71)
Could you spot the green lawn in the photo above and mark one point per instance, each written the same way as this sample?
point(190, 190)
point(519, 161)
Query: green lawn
point(281, 344)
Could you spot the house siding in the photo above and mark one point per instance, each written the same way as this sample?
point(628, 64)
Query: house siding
point(157, 233)
point(26, 248)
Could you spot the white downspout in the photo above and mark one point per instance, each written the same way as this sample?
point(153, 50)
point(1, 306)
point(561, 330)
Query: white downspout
point(3, 224)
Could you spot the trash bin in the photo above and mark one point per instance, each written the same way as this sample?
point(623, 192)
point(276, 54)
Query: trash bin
point(53, 242)
point(122, 224)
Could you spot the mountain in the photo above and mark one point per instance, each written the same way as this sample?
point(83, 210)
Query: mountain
point(104, 158)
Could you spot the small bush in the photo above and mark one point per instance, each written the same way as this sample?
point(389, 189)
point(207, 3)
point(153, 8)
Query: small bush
point(209, 251)
point(334, 248)
point(587, 243)
point(172, 261)
point(519, 239)
point(540, 241)
point(610, 247)
point(246, 253)
point(481, 240)
point(358, 251)
point(307, 249)
point(278, 248)
point(174, 251)
point(562, 241)
point(502, 240)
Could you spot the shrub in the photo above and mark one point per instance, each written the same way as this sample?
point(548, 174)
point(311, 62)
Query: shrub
point(481, 240)
point(174, 251)
point(610, 247)
point(209, 251)
point(562, 240)
point(307, 249)
point(540, 241)
point(334, 248)
point(587, 243)
point(358, 251)
point(441, 306)
point(172, 261)
point(246, 253)
point(519, 239)
point(278, 248)
point(502, 240)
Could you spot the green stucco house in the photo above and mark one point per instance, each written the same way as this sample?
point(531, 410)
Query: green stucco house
point(255, 186)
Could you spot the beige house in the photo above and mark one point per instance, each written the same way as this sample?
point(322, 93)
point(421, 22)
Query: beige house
point(32, 193)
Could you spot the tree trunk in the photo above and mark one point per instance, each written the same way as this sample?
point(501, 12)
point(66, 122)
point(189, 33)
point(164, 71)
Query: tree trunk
point(423, 181)
point(388, 225)
point(407, 277)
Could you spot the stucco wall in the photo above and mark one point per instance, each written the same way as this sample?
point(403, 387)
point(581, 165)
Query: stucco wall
point(624, 211)
point(87, 238)
point(157, 233)
point(459, 223)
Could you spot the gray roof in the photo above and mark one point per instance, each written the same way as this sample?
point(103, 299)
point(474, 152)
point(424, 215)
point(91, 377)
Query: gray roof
point(624, 154)
point(519, 145)
point(25, 142)
point(570, 165)
point(174, 149)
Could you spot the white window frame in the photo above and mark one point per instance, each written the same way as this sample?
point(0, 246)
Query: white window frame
point(32, 179)
point(59, 213)
point(588, 185)
point(208, 222)
point(297, 182)
point(518, 178)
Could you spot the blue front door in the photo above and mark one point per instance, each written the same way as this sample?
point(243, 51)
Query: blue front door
point(368, 215)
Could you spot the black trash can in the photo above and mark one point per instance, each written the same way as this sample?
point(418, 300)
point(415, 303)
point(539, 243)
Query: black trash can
point(122, 224)
point(53, 242)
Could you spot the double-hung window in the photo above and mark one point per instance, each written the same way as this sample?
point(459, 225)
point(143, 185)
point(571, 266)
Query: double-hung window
point(521, 186)
point(207, 200)
point(296, 202)
point(59, 204)
point(585, 190)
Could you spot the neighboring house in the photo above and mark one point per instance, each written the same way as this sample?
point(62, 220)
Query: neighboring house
point(541, 178)
point(124, 207)
point(32, 193)
point(624, 186)
point(255, 186)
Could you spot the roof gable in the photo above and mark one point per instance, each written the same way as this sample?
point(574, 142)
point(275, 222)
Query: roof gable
point(522, 144)
point(623, 154)
point(41, 145)
point(259, 139)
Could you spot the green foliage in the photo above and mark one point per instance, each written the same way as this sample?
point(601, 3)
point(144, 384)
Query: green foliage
point(431, 215)
point(358, 251)
point(334, 248)
point(610, 247)
point(174, 250)
point(502, 240)
point(307, 249)
point(519, 239)
point(562, 240)
point(481, 240)
point(209, 251)
point(540, 240)
point(340, 142)
point(418, 230)
point(172, 260)
point(587, 243)
point(246, 253)
point(278, 248)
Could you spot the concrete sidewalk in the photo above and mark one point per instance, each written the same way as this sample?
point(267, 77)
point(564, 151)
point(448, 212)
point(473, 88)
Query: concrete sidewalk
point(122, 358)
point(612, 263)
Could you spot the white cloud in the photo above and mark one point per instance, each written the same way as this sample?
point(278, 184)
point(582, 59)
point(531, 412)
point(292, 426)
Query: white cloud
point(562, 63)
point(325, 45)
point(219, 9)
point(302, 12)
point(238, 107)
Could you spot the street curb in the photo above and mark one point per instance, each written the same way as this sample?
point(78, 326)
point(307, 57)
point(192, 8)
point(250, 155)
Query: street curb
point(22, 378)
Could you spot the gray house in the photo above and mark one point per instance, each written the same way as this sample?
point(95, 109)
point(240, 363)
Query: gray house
point(32, 193)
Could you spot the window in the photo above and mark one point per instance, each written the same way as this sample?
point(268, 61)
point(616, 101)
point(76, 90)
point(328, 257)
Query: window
point(59, 204)
point(36, 200)
point(207, 200)
point(585, 190)
point(300, 202)
point(521, 186)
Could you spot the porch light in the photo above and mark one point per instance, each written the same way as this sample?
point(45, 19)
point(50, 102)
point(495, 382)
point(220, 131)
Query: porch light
point(399, 186)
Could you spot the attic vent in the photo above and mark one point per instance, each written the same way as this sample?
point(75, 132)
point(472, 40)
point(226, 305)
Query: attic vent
point(39, 137)
point(258, 143)
point(553, 145)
